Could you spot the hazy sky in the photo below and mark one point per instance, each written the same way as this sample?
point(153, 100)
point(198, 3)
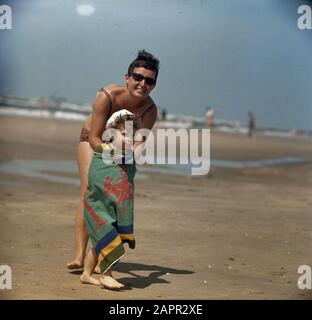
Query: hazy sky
point(233, 55)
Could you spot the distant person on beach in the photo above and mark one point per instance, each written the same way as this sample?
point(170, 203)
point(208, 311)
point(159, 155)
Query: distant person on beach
point(164, 114)
point(108, 207)
point(210, 117)
point(42, 106)
point(251, 123)
point(158, 113)
point(140, 80)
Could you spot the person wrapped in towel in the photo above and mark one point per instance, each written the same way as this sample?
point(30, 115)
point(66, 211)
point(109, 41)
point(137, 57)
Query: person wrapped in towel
point(108, 205)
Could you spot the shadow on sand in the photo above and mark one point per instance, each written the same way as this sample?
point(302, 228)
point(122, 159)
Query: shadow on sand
point(141, 282)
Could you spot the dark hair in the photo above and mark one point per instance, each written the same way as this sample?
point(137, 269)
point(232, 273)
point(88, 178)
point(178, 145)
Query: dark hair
point(120, 120)
point(145, 60)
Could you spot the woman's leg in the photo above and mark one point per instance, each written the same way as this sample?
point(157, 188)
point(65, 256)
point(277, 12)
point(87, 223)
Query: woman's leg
point(84, 157)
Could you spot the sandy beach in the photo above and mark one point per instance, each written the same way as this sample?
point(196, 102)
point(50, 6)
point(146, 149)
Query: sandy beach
point(233, 234)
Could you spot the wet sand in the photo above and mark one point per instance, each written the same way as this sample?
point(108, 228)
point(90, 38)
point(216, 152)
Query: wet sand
point(234, 234)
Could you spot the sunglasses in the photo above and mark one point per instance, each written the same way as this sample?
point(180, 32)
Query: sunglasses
point(138, 78)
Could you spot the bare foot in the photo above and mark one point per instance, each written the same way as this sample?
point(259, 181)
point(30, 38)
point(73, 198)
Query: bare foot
point(75, 265)
point(87, 279)
point(109, 282)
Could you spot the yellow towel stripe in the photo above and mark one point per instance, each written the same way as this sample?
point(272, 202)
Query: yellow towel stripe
point(109, 248)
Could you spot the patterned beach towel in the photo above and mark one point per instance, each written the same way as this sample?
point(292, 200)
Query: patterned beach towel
point(108, 209)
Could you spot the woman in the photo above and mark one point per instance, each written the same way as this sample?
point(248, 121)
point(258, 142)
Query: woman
point(140, 80)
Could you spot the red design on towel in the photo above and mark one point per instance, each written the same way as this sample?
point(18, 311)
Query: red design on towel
point(120, 188)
